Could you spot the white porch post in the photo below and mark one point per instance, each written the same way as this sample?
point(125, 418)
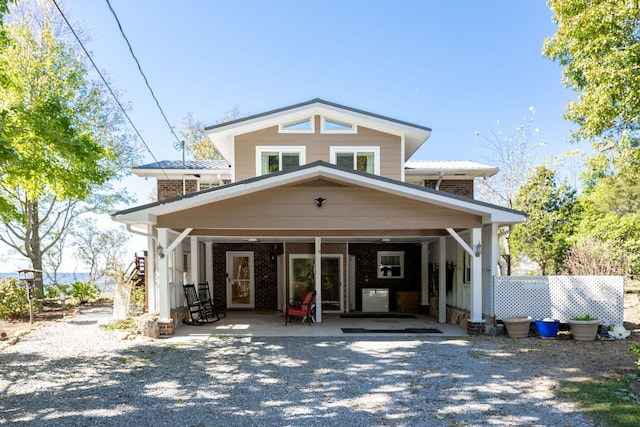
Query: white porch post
point(424, 267)
point(163, 279)
point(490, 259)
point(442, 280)
point(194, 276)
point(476, 276)
point(208, 265)
point(152, 268)
point(318, 278)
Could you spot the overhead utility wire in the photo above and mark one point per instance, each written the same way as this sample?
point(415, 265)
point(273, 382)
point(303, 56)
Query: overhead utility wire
point(104, 80)
point(142, 73)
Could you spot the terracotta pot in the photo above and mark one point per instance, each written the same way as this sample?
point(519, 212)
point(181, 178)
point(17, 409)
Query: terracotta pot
point(584, 330)
point(517, 326)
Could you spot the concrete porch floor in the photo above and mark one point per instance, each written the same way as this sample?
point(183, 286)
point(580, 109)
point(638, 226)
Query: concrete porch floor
point(271, 324)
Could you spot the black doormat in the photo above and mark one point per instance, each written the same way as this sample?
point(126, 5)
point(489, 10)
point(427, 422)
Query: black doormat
point(391, 331)
point(377, 316)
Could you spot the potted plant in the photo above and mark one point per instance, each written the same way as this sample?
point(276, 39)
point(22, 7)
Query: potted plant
point(517, 326)
point(584, 327)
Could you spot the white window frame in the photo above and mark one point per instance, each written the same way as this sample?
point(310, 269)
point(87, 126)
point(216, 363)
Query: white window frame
point(323, 126)
point(334, 150)
point(282, 126)
point(390, 253)
point(300, 149)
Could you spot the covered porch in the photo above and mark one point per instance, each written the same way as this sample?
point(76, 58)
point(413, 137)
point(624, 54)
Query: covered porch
point(257, 244)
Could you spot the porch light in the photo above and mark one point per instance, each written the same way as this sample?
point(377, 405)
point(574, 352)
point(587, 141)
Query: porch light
point(160, 251)
point(478, 249)
point(320, 201)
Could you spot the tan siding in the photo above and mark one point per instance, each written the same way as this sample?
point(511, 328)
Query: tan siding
point(294, 208)
point(317, 147)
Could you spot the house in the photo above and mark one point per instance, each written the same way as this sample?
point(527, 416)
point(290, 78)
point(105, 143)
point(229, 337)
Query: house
point(321, 184)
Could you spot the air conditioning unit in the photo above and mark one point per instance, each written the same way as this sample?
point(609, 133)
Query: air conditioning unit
point(375, 300)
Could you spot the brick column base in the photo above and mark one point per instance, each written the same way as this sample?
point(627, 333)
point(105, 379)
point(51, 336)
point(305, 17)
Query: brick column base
point(476, 328)
point(166, 329)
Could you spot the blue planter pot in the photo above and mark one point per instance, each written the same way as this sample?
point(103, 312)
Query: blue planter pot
point(548, 328)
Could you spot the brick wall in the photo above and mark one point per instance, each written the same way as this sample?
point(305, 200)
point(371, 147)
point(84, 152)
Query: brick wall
point(173, 188)
point(265, 272)
point(459, 187)
point(367, 270)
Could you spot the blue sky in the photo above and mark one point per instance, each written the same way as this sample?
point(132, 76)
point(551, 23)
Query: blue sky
point(455, 66)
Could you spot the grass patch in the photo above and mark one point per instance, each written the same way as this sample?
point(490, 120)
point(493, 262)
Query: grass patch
point(121, 325)
point(609, 402)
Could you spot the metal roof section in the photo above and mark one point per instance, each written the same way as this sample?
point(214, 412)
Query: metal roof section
point(178, 168)
point(222, 134)
point(462, 169)
point(146, 214)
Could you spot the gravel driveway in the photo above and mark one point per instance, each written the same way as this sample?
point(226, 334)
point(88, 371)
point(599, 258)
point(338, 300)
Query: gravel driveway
point(74, 373)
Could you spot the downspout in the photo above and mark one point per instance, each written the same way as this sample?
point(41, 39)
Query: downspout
point(440, 178)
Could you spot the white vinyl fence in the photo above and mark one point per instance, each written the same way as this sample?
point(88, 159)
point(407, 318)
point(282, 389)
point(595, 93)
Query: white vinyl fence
point(560, 297)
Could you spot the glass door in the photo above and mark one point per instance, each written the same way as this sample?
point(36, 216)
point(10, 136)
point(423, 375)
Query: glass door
point(302, 277)
point(240, 283)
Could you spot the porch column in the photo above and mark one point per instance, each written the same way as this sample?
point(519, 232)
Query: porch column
point(318, 278)
point(194, 276)
point(208, 265)
point(151, 272)
point(163, 276)
point(491, 256)
point(476, 276)
point(442, 280)
point(424, 267)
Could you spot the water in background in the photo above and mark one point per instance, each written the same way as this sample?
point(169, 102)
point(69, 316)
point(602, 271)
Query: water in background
point(62, 277)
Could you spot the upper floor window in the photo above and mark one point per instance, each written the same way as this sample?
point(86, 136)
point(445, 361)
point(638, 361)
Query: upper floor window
point(276, 159)
point(299, 126)
point(205, 185)
point(335, 126)
point(364, 159)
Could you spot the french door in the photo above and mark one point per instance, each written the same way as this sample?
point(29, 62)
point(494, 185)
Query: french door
point(302, 277)
point(240, 280)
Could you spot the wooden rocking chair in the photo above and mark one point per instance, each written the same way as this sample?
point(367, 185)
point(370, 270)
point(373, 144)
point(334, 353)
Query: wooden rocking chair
point(219, 308)
point(304, 309)
point(200, 311)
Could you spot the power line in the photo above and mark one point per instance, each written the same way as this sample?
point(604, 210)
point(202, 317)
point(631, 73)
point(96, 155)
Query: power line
point(142, 73)
point(104, 80)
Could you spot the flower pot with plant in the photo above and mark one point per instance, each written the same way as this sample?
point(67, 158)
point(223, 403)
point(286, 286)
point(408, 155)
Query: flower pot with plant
point(584, 327)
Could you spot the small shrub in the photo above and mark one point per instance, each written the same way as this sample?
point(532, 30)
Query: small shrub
point(57, 290)
point(584, 317)
point(84, 292)
point(13, 299)
point(635, 348)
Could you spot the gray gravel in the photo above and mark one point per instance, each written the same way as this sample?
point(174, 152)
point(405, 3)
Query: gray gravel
point(74, 373)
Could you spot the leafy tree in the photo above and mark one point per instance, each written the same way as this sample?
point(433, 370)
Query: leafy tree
point(100, 250)
point(597, 43)
point(195, 141)
point(62, 136)
point(552, 210)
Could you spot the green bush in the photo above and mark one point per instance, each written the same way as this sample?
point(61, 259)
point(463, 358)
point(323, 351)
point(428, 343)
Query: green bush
point(14, 301)
point(635, 348)
point(57, 290)
point(84, 292)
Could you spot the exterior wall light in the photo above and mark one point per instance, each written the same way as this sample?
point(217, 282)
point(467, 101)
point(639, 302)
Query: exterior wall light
point(320, 201)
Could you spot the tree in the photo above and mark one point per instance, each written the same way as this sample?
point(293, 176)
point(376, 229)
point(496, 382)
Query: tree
point(553, 212)
point(63, 136)
point(101, 250)
point(597, 43)
point(196, 143)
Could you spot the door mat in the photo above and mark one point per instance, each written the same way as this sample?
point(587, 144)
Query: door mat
point(391, 331)
point(377, 316)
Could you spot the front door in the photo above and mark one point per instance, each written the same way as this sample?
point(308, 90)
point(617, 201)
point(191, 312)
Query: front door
point(240, 283)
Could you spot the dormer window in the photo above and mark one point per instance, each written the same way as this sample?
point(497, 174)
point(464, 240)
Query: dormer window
point(299, 126)
point(276, 159)
point(363, 159)
point(336, 126)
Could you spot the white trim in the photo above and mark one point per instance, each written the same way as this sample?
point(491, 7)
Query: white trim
point(252, 281)
point(334, 149)
point(394, 254)
point(260, 149)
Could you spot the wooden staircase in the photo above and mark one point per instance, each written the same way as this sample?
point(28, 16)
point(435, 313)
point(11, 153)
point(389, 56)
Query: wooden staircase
point(135, 273)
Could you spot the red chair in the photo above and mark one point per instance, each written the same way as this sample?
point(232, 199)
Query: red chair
point(304, 309)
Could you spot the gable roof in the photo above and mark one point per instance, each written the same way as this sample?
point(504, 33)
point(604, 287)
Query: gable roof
point(222, 134)
point(146, 214)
